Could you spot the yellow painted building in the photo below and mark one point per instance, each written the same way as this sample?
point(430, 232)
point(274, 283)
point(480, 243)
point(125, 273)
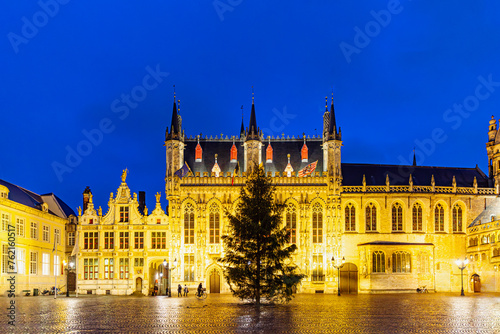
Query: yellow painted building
point(396, 227)
point(31, 225)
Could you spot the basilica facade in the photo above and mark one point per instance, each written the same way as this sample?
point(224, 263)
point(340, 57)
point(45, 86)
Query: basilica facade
point(360, 228)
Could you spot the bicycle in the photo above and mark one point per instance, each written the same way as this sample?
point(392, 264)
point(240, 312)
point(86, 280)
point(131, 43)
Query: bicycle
point(422, 289)
point(203, 294)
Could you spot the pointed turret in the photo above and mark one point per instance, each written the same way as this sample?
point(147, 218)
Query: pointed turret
point(242, 129)
point(332, 124)
point(253, 130)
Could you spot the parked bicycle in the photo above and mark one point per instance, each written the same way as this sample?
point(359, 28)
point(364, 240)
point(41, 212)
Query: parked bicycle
point(422, 289)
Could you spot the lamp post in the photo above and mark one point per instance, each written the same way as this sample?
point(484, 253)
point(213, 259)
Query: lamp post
point(338, 266)
point(461, 265)
point(161, 279)
point(170, 276)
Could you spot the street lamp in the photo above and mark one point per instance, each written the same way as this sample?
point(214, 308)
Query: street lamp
point(461, 265)
point(170, 276)
point(338, 266)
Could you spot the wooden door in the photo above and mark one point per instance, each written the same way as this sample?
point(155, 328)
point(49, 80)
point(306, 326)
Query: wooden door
point(349, 279)
point(477, 283)
point(71, 281)
point(214, 281)
point(138, 284)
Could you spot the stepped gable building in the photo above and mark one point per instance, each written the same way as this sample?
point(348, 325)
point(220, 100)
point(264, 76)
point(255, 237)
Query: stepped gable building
point(32, 225)
point(394, 227)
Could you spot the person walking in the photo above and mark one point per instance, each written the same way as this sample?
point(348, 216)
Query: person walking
point(186, 290)
point(179, 290)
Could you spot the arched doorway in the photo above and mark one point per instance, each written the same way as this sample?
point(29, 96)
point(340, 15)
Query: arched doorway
point(138, 284)
point(214, 282)
point(349, 279)
point(476, 283)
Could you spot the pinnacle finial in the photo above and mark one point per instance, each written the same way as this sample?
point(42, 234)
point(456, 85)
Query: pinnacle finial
point(253, 95)
point(174, 93)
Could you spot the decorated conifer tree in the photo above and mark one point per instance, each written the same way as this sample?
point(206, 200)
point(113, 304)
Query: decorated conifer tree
point(256, 258)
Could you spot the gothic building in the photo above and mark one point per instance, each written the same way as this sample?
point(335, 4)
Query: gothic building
point(390, 228)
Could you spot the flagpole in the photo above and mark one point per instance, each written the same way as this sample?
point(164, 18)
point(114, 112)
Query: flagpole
point(76, 261)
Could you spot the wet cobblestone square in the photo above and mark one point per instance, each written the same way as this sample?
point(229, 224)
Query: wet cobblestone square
point(396, 313)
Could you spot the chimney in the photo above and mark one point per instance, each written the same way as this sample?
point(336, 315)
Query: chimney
point(86, 198)
point(142, 201)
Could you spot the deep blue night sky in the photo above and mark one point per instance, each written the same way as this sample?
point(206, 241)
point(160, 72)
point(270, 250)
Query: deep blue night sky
point(397, 70)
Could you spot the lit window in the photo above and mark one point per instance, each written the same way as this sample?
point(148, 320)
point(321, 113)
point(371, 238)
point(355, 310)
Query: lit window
point(234, 153)
point(109, 240)
point(90, 240)
point(34, 230)
point(397, 217)
point(124, 268)
point(57, 235)
point(123, 214)
point(20, 227)
point(21, 261)
point(198, 153)
point(401, 262)
point(317, 272)
point(188, 268)
point(189, 224)
point(5, 259)
point(33, 263)
point(108, 268)
point(378, 262)
point(214, 218)
point(90, 268)
point(158, 240)
point(45, 233)
point(57, 265)
point(45, 264)
point(350, 218)
point(417, 217)
point(439, 218)
point(138, 240)
point(304, 153)
point(317, 223)
point(5, 221)
point(124, 240)
point(269, 153)
point(71, 238)
point(371, 217)
point(291, 223)
point(457, 218)
point(139, 262)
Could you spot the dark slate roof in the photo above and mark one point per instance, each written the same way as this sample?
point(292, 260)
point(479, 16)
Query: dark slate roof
point(400, 175)
point(23, 196)
point(281, 148)
point(485, 217)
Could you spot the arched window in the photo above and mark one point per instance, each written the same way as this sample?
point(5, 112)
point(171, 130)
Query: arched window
point(397, 217)
point(371, 217)
point(378, 262)
point(291, 223)
point(198, 153)
point(457, 218)
point(317, 223)
point(492, 238)
point(189, 224)
point(214, 221)
point(350, 218)
point(417, 217)
point(401, 262)
point(439, 218)
point(269, 153)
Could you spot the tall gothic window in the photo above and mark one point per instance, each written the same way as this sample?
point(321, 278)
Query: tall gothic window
point(214, 218)
point(378, 262)
point(189, 224)
point(439, 218)
point(401, 262)
point(234, 153)
point(397, 217)
point(350, 218)
point(457, 218)
point(317, 223)
point(371, 217)
point(291, 223)
point(417, 217)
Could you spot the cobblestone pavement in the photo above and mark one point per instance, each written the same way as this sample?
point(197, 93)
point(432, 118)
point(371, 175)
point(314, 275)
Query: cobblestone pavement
point(395, 313)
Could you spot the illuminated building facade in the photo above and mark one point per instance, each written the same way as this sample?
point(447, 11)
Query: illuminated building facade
point(396, 227)
point(32, 224)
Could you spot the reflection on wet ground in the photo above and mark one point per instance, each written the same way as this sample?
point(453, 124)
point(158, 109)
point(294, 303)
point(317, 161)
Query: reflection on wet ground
point(397, 313)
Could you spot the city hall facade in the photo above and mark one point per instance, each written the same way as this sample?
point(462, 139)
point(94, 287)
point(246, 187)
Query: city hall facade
point(395, 227)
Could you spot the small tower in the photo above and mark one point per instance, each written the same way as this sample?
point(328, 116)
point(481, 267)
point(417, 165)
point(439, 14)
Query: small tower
point(174, 144)
point(86, 197)
point(253, 142)
point(332, 143)
point(493, 150)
